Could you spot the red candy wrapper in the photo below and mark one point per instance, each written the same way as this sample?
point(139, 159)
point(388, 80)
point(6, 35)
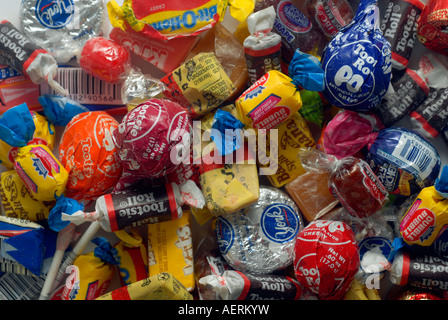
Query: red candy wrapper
point(330, 15)
point(432, 26)
point(105, 59)
point(88, 154)
point(147, 136)
point(326, 258)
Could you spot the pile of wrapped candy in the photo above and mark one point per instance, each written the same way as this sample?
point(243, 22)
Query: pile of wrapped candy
point(290, 155)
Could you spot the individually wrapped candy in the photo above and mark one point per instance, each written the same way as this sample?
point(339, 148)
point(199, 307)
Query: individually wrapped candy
point(235, 285)
point(40, 170)
point(60, 110)
point(357, 62)
point(167, 20)
point(431, 27)
point(98, 266)
point(130, 208)
point(88, 153)
point(259, 239)
point(62, 28)
point(403, 161)
point(399, 27)
point(105, 59)
point(44, 133)
point(27, 58)
point(149, 137)
point(330, 15)
point(351, 180)
point(326, 258)
point(275, 97)
point(427, 217)
point(262, 47)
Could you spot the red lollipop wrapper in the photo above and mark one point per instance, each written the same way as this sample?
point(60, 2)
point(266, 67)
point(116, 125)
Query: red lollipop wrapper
point(105, 59)
point(153, 139)
point(88, 153)
point(326, 258)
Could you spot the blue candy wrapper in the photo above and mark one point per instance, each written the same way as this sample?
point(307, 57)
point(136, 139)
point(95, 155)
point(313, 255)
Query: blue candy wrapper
point(357, 62)
point(23, 241)
point(404, 161)
point(226, 143)
point(60, 110)
point(17, 126)
point(63, 205)
point(104, 250)
point(305, 70)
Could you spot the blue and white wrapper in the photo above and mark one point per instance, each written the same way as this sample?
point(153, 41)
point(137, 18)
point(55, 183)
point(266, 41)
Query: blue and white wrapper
point(357, 62)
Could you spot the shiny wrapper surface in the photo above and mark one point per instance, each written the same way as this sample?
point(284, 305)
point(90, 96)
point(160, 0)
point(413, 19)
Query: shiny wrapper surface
point(146, 136)
point(260, 238)
point(326, 252)
point(89, 155)
point(62, 27)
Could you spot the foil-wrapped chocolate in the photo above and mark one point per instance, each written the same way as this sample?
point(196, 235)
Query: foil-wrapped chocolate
point(260, 238)
point(63, 26)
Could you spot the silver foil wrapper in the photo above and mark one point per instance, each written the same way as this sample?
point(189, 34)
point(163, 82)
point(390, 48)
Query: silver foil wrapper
point(260, 238)
point(62, 26)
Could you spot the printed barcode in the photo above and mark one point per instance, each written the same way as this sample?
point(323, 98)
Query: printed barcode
point(85, 88)
point(19, 287)
point(411, 153)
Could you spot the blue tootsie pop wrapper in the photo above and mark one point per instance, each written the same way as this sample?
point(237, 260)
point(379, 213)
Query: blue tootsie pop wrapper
point(357, 62)
point(404, 161)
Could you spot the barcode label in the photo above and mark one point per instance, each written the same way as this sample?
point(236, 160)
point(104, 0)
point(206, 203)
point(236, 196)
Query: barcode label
point(11, 266)
point(417, 154)
point(85, 88)
point(19, 287)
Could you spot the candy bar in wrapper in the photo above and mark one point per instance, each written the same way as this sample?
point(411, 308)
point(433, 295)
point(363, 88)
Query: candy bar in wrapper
point(235, 285)
point(174, 18)
point(259, 239)
point(170, 249)
point(161, 286)
point(326, 258)
point(262, 48)
point(399, 27)
point(88, 153)
point(357, 62)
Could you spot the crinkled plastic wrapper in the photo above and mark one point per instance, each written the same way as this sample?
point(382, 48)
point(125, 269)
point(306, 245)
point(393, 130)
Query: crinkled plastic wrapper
point(44, 134)
point(88, 153)
point(260, 238)
point(326, 258)
point(62, 27)
point(146, 137)
point(357, 62)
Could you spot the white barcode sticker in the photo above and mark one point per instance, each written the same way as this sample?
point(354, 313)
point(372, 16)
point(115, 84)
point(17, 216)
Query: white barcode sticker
point(85, 89)
point(416, 153)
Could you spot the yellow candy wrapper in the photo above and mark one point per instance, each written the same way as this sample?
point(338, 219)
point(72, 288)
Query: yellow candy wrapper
point(131, 257)
point(170, 19)
point(270, 101)
point(41, 171)
point(43, 134)
point(170, 250)
point(229, 187)
point(17, 200)
point(200, 84)
point(293, 134)
point(90, 278)
point(161, 286)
